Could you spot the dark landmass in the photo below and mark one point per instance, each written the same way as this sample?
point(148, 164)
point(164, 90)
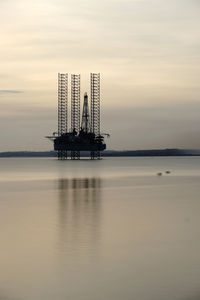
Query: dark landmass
point(156, 152)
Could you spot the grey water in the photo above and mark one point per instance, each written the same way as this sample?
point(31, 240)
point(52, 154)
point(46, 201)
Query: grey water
point(109, 229)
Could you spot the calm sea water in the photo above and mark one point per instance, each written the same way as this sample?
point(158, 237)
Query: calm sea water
point(94, 230)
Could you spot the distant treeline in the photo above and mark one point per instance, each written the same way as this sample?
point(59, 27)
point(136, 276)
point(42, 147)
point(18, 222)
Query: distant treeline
point(156, 152)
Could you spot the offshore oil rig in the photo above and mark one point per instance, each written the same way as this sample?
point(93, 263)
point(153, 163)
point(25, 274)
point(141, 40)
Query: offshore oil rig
point(84, 134)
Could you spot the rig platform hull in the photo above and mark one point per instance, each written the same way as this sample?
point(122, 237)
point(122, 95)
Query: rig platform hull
point(81, 142)
point(79, 147)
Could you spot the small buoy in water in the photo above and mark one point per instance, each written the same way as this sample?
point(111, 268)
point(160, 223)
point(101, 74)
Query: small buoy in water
point(159, 174)
point(167, 172)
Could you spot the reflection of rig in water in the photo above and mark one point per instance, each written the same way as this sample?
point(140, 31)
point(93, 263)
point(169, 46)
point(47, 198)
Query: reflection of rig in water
point(79, 214)
point(88, 136)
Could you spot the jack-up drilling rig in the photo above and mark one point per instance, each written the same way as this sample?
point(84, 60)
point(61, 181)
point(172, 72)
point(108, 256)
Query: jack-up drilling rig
point(81, 137)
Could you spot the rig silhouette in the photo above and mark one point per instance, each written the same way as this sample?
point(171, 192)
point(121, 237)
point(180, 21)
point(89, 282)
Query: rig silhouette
point(84, 135)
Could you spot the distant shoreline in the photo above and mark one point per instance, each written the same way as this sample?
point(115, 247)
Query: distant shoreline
point(108, 153)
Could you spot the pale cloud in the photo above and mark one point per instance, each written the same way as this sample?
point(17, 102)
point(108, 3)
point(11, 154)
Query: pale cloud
point(10, 92)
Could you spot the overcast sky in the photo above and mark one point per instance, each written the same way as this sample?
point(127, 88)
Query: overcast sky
point(148, 54)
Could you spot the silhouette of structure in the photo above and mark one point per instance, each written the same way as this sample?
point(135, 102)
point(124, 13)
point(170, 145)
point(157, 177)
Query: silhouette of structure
point(80, 137)
point(62, 109)
point(75, 112)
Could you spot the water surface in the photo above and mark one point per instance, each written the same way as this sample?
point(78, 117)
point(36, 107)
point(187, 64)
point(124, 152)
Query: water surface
point(109, 229)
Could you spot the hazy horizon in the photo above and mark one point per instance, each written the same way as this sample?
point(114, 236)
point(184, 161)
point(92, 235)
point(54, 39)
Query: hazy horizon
point(147, 52)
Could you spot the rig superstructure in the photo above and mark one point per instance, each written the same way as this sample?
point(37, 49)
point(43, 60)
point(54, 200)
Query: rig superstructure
point(84, 134)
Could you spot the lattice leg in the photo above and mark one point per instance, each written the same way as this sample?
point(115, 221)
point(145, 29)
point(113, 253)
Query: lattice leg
point(92, 155)
point(75, 103)
point(62, 155)
point(98, 155)
point(75, 155)
point(62, 103)
point(95, 103)
point(95, 155)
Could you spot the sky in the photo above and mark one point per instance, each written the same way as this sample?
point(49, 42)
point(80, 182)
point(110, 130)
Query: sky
point(148, 54)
